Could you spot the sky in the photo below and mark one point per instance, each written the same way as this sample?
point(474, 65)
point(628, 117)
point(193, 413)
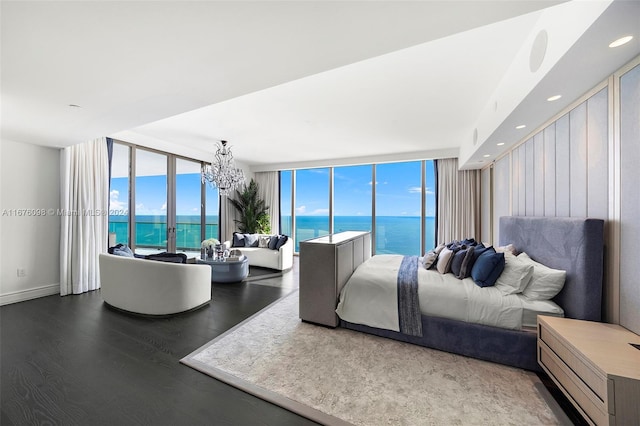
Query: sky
point(151, 195)
point(398, 187)
point(398, 190)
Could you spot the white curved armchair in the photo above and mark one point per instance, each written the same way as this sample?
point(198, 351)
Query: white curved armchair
point(151, 287)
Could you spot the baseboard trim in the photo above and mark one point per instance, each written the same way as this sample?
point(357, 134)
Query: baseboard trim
point(32, 293)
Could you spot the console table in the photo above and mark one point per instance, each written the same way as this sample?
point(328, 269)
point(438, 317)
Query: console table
point(326, 263)
point(595, 366)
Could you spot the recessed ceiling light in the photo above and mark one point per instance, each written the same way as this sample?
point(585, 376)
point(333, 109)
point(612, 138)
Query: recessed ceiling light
point(486, 156)
point(522, 126)
point(554, 98)
point(621, 41)
point(500, 144)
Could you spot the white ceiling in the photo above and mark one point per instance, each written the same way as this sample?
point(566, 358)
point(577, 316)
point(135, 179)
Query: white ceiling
point(298, 82)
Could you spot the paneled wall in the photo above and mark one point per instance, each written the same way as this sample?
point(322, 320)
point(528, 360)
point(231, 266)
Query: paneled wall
point(578, 166)
point(630, 199)
point(563, 169)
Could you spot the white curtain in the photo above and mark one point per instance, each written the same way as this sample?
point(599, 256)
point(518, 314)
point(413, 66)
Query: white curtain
point(227, 221)
point(458, 202)
point(84, 221)
point(269, 191)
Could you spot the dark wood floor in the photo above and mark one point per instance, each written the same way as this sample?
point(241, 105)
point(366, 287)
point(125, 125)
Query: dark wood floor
point(74, 361)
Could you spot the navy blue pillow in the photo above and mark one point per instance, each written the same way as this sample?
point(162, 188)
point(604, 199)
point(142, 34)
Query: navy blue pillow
point(282, 239)
point(487, 268)
point(238, 240)
point(456, 263)
point(273, 241)
point(168, 257)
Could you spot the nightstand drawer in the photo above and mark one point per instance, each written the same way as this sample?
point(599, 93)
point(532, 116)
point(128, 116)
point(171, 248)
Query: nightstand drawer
point(591, 377)
point(592, 406)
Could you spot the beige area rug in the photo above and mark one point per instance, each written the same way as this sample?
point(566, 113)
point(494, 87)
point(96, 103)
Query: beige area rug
point(339, 376)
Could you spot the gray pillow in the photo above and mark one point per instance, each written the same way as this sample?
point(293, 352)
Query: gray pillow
point(251, 240)
point(467, 263)
point(430, 257)
point(123, 251)
point(238, 240)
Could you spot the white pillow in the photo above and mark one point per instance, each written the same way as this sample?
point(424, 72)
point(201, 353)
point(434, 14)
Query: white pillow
point(444, 261)
point(545, 283)
point(515, 277)
point(508, 250)
point(263, 241)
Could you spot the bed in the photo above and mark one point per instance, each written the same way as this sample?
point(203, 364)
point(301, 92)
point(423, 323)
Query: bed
point(574, 245)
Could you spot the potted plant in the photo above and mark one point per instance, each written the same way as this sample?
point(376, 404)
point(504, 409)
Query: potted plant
point(254, 218)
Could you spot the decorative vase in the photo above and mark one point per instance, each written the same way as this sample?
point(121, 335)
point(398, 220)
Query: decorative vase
point(209, 253)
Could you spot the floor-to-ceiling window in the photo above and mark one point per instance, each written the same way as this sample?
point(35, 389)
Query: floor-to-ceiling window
point(404, 219)
point(398, 189)
point(150, 210)
point(286, 218)
point(188, 206)
point(119, 194)
point(311, 204)
point(430, 206)
point(352, 188)
point(172, 209)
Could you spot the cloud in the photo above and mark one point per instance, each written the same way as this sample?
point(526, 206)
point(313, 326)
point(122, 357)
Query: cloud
point(320, 211)
point(415, 190)
point(371, 182)
point(301, 209)
point(430, 191)
point(114, 203)
point(164, 206)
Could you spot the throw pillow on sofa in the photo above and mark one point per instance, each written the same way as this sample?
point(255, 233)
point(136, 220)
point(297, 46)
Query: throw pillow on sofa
point(121, 250)
point(168, 257)
point(273, 241)
point(263, 241)
point(251, 240)
point(238, 240)
point(282, 239)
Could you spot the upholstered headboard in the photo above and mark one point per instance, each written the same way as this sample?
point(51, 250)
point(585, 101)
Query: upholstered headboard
point(575, 245)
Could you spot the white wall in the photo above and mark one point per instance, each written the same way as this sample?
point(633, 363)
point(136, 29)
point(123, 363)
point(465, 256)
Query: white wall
point(29, 179)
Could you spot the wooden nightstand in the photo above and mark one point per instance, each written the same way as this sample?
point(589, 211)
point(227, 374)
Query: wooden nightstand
point(595, 367)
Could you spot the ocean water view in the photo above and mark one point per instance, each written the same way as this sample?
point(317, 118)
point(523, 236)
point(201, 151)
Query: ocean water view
point(151, 231)
point(394, 234)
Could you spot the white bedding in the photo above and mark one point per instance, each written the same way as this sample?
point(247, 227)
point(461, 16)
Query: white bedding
point(370, 298)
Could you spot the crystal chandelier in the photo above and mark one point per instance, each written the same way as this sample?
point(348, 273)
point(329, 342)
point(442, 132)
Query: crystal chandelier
point(222, 173)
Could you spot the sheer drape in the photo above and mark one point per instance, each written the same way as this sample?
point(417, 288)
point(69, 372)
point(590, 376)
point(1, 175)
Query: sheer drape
point(84, 220)
point(268, 190)
point(227, 220)
point(458, 201)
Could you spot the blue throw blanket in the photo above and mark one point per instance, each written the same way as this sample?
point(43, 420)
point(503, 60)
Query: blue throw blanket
point(409, 314)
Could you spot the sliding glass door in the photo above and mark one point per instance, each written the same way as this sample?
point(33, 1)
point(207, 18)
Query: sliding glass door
point(150, 210)
point(188, 227)
point(119, 195)
point(172, 210)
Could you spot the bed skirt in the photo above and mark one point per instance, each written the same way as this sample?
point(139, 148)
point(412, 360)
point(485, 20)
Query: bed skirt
point(503, 346)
